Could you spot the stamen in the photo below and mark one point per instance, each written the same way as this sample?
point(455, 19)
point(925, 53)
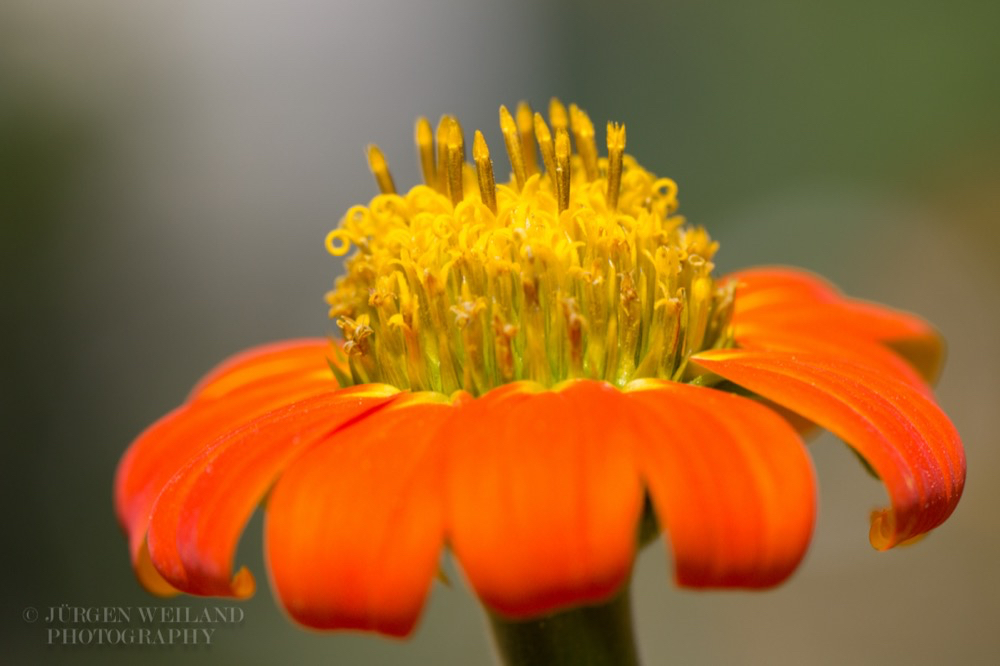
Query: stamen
point(562, 172)
point(526, 128)
point(699, 304)
point(441, 295)
point(461, 135)
point(544, 137)
point(513, 141)
point(557, 115)
point(616, 153)
point(503, 335)
point(574, 123)
point(484, 169)
point(456, 160)
point(377, 163)
point(628, 328)
point(586, 145)
point(441, 173)
point(425, 149)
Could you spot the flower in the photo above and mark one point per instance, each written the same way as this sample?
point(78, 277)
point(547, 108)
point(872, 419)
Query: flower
point(526, 369)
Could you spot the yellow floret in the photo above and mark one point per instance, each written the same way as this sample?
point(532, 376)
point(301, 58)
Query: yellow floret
point(579, 270)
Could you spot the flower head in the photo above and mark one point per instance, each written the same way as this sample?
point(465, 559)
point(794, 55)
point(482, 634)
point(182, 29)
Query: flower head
point(579, 269)
point(525, 369)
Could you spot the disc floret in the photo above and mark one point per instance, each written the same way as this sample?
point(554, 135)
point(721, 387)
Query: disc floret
point(578, 268)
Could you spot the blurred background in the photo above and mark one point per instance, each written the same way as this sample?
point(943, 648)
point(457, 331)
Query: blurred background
point(168, 171)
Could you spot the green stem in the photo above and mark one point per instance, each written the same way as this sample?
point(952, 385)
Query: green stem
point(585, 636)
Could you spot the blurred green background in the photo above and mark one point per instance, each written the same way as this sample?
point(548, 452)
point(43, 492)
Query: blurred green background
point(168, 171)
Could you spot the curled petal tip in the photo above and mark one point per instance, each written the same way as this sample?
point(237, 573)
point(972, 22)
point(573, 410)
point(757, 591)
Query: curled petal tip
point(882, 532)
point(243, 585)
point(151, 579)
point(883, 529)
point(901, 432)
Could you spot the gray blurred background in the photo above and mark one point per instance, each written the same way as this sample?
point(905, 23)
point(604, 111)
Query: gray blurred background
point(168, 171)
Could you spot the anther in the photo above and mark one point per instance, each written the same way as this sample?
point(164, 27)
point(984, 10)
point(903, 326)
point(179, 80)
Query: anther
point(441, 138)
point(557, 116)
point(456, 160)
point(562, 171)
point(616, 154)
point(544, 138)
point(425, 150)
point(461, 135)
point(376, 161)
point(484, 169)
point(586, 145)
point(512, 139)
point(526, 128)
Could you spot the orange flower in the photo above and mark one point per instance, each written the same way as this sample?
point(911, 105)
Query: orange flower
point(523, 366)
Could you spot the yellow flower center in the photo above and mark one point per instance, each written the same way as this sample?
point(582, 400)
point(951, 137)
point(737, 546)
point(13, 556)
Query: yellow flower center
point(576, 268)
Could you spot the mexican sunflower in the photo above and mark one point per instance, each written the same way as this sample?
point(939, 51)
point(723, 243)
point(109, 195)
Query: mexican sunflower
point(525, 374)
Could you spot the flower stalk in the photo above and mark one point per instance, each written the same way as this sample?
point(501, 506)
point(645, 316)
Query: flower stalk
point(599, 635)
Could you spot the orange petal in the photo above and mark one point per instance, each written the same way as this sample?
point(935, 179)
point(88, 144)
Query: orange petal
point(263, 362)
point(777, 286)
point(765, 338)
point(543, 495)
point(148, 576)
point(731, 482)
point(791, 300)
point(173, 440)
point(900, 431)
point(198, 517)
point(908, 335)
point(163, 448)
point(911, 337)
point(354, 527)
